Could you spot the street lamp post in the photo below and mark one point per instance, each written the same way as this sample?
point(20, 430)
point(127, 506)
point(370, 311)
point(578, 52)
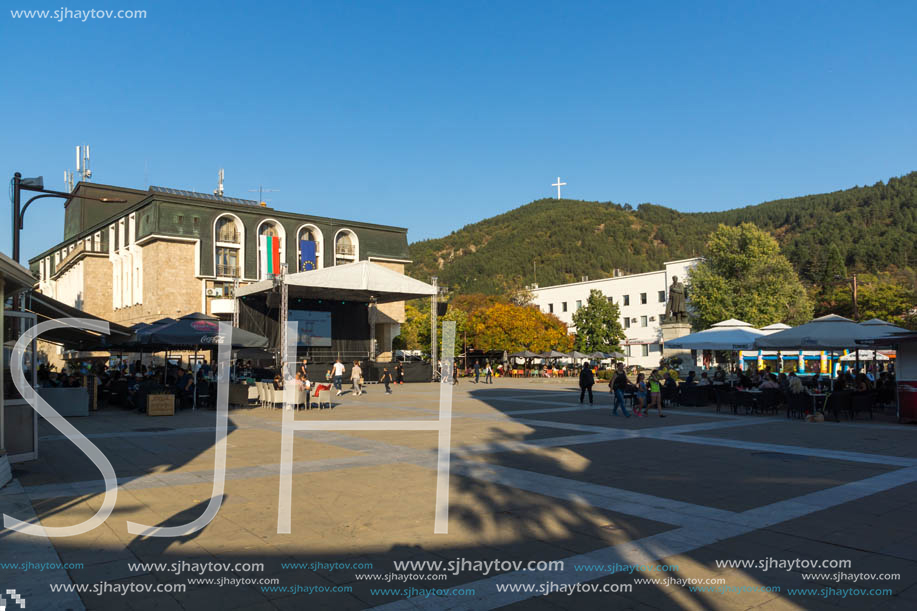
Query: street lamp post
point(37, 184)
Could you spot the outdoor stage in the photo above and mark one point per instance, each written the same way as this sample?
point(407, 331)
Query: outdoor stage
point(337, 308)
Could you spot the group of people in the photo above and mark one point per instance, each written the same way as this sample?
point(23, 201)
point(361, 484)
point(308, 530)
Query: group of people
point(647, 391)
point(335, 377)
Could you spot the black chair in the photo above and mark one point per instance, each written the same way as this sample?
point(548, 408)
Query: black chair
point(117, 393)
point(203, 394)
point(693, 395)
point(770, 400)
point(721, 397)
point(747, 401)
point(797, 404)
point(837, 402)
point(862, 401)
point(669, 395)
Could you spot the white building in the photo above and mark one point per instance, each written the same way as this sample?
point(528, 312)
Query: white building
point(641, 299)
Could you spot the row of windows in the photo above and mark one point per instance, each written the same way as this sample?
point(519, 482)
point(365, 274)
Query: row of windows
point(625, 299)
point(228, 247)
point(645, 349)
point(229, 240)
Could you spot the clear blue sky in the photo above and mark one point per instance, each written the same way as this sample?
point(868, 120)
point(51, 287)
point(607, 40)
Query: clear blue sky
point(432, 115)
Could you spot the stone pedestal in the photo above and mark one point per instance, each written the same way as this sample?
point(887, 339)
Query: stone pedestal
point(672, 331)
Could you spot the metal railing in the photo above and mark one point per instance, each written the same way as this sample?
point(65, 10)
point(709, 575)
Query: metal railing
point(344, 249)
point(228, 271)
point(229, 236)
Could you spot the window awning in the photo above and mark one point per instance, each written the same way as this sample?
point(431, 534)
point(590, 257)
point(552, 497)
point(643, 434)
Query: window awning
point(46, 308)
point(14, 276)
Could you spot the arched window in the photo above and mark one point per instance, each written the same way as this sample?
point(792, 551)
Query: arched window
point(346, 247)
point(271, 248)
point(308, 261)
point(227, 246)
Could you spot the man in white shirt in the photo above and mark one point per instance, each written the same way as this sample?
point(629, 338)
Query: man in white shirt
point(337, 375)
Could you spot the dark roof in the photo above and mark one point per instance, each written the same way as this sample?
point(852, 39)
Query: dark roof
point(889, 340)
point(205, 196)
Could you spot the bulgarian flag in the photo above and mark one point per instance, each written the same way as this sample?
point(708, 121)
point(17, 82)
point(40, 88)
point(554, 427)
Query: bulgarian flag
point(270, 255)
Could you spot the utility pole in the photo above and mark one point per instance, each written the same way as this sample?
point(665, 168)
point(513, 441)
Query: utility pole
point(856, 310)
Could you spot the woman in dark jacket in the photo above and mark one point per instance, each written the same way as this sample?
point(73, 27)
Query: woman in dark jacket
point(586, 381)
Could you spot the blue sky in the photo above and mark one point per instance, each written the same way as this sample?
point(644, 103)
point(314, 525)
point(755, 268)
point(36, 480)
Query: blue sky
point(433, 115)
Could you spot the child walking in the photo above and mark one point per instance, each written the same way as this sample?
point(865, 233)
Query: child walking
point(656, 392)
point(642, 400)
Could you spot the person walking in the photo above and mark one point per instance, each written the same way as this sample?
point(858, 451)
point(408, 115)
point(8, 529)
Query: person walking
point(488, 374)
point(337, 375)
point(656, 392)
point(356, 378)
point(586, 382)
point(386, 380)
point(642, 399)
point(618, 385)
point(399, 373)
point(477, 372)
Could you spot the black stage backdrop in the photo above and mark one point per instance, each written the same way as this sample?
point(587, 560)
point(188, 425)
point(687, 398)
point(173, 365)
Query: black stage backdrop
point(349, 326)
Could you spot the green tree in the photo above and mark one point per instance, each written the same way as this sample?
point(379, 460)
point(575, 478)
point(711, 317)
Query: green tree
point(745, 276)
point(597, 325)
point(415, 330)
point(835, 268)
point(882, 298)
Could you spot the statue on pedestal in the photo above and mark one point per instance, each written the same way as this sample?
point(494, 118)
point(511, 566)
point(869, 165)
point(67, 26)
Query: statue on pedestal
point(676, 309)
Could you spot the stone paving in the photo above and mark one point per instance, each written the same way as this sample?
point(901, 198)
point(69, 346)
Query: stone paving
point(534, 477)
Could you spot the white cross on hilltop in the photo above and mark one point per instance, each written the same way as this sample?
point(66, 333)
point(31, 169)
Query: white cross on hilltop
point(558, 184)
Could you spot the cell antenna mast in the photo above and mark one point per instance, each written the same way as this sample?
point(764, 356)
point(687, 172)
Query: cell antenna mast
point(261, 191)
point(82, 163)
point(219, 189)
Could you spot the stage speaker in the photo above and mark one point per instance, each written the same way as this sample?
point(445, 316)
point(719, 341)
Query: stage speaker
point(441, 309)
point(273, 300)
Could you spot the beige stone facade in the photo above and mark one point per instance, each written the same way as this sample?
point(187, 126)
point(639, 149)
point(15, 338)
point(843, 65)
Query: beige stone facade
point(159, 278)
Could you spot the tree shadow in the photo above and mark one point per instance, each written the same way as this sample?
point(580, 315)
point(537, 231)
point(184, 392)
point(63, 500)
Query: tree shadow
point(508, 502)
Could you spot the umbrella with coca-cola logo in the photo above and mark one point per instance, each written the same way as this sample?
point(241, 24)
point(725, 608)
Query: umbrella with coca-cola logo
point(196, 331)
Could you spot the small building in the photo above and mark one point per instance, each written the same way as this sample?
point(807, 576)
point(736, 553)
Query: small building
point(641, 299)
point(169, 252)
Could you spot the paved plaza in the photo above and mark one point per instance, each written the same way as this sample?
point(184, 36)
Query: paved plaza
point(535, 476)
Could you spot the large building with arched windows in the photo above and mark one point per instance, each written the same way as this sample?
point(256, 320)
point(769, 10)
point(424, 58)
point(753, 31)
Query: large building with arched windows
point(168, 252)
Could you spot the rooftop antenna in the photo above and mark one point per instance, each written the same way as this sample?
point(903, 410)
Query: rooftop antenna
point(82, 163)
point(261, 192)
point(219, 189)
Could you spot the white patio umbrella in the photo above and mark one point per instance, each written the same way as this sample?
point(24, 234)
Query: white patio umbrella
point(777, 326)
point(865, 355)
point(831, 332)
point(729, 334)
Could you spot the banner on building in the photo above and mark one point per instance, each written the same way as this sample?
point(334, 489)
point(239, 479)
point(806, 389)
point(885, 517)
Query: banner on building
point(307, 256)
point(270, 255)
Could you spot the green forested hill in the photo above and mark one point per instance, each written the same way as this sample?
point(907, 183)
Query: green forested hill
point(873, 227)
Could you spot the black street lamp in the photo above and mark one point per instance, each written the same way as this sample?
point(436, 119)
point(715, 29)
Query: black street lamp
point(37, 184)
